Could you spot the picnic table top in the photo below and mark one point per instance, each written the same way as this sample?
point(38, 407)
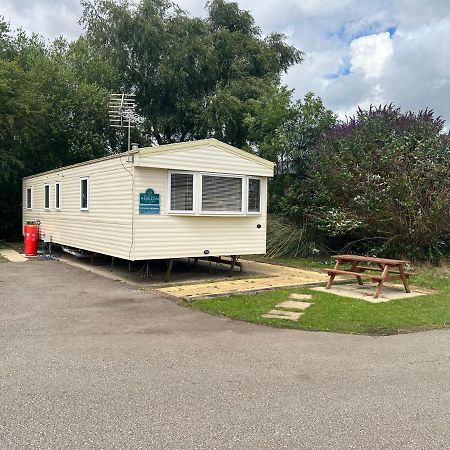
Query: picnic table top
point(393, 262)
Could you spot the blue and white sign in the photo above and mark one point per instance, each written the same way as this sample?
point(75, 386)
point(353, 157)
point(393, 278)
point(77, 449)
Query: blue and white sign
point(149, 202)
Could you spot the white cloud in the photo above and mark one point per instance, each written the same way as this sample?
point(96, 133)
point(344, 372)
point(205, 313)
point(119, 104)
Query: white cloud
point(45, 17)
point(370, 54)
point(350, 57)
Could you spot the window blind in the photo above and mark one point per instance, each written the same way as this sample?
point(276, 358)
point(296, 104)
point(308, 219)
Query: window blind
point(181, 192)
point(221, 193)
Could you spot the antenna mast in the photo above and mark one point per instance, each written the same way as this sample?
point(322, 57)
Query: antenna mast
point(122, 113)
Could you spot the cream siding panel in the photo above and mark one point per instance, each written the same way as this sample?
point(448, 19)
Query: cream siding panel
point(175, 236)
point(204, 158)
point(107, 226)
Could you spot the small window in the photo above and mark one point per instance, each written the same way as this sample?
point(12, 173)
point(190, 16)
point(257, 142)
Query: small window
point(58, 195)
point(84, 193)
point(254, 195)
point(29, 198)
point(47, 196)
point(221, 194)
point(182, 192)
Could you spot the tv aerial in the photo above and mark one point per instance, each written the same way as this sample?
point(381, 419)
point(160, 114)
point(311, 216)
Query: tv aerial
point(122, 113)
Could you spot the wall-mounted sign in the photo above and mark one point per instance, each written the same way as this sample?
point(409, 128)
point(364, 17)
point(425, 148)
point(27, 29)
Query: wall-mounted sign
point(149, 202)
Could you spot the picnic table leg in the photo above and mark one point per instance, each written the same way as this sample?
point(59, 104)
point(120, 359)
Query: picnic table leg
point(331, 276)
point(353, 269)
point(404, 278)
point(380, 283)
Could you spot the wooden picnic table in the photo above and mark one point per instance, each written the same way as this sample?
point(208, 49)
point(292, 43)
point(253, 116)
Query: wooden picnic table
point(391, 269)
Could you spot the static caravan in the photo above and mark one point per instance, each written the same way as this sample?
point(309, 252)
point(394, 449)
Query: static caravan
point(191, 199)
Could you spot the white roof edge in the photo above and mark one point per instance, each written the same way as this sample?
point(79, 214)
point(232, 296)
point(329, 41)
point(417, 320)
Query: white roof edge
point(82, 163)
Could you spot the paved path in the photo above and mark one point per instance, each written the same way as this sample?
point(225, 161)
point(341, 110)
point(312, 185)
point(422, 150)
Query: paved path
point(12, 255)
point(277, 276)
point(87, 362)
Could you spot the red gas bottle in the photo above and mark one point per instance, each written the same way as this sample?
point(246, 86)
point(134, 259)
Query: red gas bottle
point(30, 237)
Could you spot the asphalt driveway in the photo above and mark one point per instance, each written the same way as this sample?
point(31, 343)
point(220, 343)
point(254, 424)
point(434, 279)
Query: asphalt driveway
point(88, 362)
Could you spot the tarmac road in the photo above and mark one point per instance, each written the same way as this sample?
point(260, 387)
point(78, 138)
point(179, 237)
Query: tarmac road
point(88, 362)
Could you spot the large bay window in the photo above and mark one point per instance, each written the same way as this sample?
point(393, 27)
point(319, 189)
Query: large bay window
point(214, 194)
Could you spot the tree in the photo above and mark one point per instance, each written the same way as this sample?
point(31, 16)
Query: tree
point(48, 117)
point(193, 78)
point(21, 125)
point(285, 132)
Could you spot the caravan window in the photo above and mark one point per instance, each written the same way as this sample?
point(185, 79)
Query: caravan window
point(254, 195)
point(181, 192)
point(221, 193)
point(29, 198)
point(47, 196)
point(58, 195)
point(84, 193)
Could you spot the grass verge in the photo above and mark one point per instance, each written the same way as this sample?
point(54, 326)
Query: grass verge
point(346, 315)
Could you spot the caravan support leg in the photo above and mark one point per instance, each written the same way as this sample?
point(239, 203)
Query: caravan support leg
point(169, 270)
point(234, 259)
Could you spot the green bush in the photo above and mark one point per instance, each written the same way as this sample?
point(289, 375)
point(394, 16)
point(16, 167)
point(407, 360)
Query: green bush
point(379, 183)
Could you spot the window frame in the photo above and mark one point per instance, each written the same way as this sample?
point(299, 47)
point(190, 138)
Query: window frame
point(88, 194)
point(222, 213)
point(254, 213)
point(58, 195)
point(169, 190)
point(47, 207)
point(30, 189)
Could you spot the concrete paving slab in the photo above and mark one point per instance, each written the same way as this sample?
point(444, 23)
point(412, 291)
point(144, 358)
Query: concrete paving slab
point(390, 292)
point(292, 304)
point(12, 255)
point(277, 314)
point(300, 296)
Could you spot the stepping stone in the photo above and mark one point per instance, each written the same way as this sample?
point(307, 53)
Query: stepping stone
point(301, 296)
point(290, 304)
point(289, 315)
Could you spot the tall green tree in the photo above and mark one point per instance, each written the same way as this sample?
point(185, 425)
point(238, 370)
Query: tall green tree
point(49, 117)
point(193, 78)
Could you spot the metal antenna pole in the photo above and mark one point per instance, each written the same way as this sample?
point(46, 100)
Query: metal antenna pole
point(122, 108)
point(129, 134)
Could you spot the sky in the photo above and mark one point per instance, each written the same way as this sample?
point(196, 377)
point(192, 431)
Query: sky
point(357, 52)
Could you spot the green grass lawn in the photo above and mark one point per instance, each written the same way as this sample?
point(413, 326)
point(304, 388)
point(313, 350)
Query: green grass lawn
point(346, 315)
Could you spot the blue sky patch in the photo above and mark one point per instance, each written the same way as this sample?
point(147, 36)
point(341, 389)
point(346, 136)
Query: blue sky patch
point(391, 31)
point(343, 71)
point(344, 35)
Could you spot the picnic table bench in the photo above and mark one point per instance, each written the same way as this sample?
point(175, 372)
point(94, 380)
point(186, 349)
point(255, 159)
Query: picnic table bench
point(391, 269)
